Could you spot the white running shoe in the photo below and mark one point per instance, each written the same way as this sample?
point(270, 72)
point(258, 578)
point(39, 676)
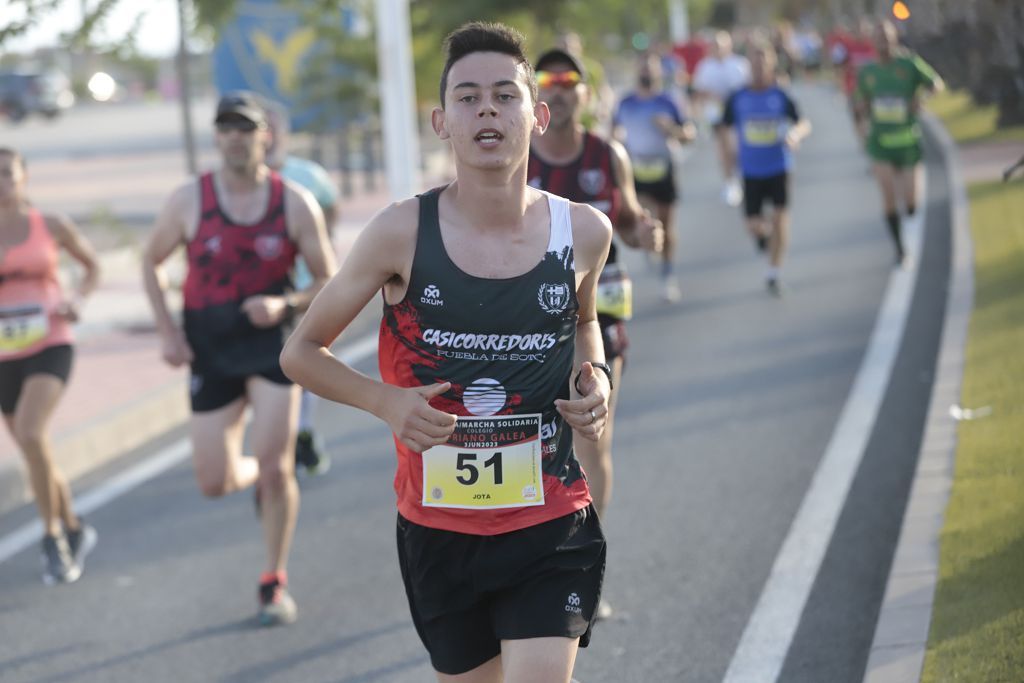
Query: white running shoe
point(670, 292)
point(732, 192)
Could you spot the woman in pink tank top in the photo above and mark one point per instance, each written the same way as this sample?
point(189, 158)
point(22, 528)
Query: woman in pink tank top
point(35, 354)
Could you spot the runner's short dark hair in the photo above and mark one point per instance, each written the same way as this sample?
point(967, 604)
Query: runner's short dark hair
point(485, 36)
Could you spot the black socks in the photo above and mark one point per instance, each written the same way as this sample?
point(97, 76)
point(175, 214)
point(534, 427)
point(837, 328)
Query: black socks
point(893, 219)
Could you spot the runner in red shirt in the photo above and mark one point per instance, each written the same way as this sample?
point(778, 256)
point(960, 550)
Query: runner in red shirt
point(242, 227)
point(492, 363)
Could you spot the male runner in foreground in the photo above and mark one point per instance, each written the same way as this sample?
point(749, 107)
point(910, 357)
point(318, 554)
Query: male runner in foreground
point(488, 349)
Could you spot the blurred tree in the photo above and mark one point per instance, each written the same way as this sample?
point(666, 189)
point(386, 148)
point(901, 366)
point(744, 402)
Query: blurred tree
point(977, 45)
point(605, 26)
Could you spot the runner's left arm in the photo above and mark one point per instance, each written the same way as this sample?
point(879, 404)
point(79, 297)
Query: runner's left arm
point(634, 224)
point(674, 126)
point(310, 234)
point(592, 234)
point(927, 79)
point(801, 127)
point(306, 227)
point(76, 244)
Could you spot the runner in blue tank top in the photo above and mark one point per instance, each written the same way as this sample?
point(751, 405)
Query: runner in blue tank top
point(650, 125)
point(490, 355)
point(768, 127)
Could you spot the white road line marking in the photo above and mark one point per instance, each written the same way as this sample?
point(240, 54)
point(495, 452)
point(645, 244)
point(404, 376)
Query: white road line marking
point(153, 466)
point(769, 633)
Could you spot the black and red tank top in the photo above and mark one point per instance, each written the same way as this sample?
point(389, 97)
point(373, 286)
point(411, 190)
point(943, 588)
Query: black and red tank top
point(507, 347)
point(227, 263)
point(588, 179)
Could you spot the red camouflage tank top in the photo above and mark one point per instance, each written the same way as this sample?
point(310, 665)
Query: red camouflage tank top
point(227, 263)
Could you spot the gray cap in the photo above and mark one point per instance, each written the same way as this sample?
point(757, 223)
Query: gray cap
point(241, 103)
point(559, 56)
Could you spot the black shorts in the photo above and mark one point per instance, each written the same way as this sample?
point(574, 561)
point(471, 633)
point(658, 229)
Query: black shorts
point(613, 334)
point(53, 360)
point(755, 190)
point(210, 390)
point(662, 190)
point(467, 593)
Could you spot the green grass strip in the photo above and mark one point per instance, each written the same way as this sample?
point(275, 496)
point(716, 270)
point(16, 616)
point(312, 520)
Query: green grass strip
point(977, 630)
point(968, 122)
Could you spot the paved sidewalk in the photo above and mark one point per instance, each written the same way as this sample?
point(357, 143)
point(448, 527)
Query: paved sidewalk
point(901, 636)
point(121, 394)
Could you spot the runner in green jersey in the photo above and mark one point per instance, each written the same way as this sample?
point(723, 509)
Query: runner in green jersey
point(888, 95)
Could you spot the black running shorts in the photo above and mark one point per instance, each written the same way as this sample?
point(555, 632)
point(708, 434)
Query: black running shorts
point(756, 190)
point(210, 391)
point(53, 360)
point(467, 593)
point(662, 190)
point(613, 334)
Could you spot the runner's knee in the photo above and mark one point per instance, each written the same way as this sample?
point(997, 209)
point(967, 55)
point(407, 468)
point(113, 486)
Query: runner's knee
point(274, 475)
point(212, 484)
point(29, 436)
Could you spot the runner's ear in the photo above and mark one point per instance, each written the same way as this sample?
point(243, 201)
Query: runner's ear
point(542, 117)
point(438, 123)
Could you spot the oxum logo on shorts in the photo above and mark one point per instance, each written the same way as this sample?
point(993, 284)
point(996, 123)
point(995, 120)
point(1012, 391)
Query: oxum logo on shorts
point(572, 604)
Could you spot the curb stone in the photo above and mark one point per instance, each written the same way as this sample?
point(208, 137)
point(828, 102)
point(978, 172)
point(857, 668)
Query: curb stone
point(901, 635)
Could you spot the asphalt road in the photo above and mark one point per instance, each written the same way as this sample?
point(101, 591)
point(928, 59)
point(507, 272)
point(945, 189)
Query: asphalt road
point(728, 403)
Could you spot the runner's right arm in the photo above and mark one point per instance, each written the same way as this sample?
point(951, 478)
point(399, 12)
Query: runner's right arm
point(168, 234)
point(381, 259)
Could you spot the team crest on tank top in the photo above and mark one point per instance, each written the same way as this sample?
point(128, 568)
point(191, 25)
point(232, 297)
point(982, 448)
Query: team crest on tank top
point(592, 180)
point(554, 298)
point(268, 247)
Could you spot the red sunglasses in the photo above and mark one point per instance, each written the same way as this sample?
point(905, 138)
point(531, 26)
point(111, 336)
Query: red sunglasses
point(564, 79)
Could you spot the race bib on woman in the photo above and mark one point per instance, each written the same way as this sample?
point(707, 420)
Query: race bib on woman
point(488, 463)
point(22, 326)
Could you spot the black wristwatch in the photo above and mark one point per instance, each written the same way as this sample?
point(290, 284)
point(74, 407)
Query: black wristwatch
point(597, 366)
point(289, 310)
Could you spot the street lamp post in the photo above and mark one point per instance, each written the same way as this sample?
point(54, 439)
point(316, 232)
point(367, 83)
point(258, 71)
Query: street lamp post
point(398, 102)
point(678, 21)
point(185, 91)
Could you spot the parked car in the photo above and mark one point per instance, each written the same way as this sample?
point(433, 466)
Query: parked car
point(24, 93)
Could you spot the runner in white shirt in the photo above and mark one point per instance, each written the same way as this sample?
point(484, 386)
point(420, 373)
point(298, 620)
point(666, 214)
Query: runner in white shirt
point(719, 75)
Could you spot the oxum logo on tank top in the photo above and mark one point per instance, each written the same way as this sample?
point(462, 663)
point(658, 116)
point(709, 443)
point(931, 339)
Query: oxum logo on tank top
point(507, 347)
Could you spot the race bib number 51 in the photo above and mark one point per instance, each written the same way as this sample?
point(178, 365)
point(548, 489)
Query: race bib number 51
point(489, 462)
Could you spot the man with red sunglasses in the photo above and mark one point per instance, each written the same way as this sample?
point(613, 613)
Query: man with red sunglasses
point(569, 161)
